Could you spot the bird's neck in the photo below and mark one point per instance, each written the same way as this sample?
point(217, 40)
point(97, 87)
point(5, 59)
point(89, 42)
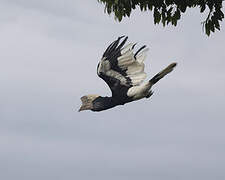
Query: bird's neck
point(103, 103)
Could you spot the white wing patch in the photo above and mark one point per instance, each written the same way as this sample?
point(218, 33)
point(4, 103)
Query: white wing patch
point(118, 76)
point(142, 55)
point(138, 92)
point(133, 66)
point(104, 67)
point(126, 48)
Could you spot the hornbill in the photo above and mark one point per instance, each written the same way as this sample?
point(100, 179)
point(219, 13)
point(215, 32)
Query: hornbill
point(123, 71)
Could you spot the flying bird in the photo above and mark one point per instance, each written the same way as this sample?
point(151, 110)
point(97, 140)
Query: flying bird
point(123, 71)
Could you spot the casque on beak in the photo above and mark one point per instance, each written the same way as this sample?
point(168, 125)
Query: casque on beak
point(87, 102)
point(82, 108)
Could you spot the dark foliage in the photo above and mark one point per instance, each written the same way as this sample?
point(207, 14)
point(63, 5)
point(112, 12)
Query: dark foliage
point(169, 11)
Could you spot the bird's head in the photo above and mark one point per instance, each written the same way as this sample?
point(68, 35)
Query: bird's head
point(87, 102)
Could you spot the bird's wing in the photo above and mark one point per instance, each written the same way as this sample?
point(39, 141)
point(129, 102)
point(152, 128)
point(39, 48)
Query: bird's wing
point(120, 66)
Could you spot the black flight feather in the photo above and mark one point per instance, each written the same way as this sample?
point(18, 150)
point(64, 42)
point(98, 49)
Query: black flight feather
point(122, 43)
point(134, 45)
point(111, 54)
point(139, 51)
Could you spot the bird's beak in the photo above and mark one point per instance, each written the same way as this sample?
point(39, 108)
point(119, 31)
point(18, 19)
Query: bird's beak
point(81, 109)
point(84, 107)
point(87, 102)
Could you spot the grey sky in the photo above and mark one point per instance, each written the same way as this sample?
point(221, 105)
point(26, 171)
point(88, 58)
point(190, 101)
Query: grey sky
point(49, 51)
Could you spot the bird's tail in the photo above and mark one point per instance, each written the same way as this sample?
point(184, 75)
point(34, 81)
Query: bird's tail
point(162, 73)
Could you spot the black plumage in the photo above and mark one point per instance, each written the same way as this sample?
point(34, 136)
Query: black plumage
point(123, 71)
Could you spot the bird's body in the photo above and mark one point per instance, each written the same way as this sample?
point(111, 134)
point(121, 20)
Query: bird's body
point(123, 71)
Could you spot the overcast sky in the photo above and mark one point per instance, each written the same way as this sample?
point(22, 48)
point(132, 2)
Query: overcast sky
point(49, 51)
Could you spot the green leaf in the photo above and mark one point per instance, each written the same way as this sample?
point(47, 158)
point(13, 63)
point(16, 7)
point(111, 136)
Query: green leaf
point(202, 8)
point(217, 25)
point(211, 26)
point(168, 11)
point(207, 30)
point(183, 6)
point(157, 16)
point(177, 14)
point(174, 21)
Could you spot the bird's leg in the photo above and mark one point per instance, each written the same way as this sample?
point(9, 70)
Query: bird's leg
point(150, 93)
